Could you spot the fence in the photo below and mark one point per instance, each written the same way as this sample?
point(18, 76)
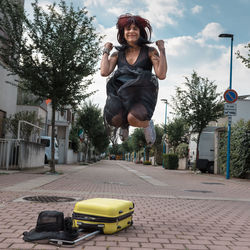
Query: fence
point(9, 150)
point(19, 154)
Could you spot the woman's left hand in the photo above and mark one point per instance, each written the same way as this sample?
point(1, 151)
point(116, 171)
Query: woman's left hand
point(160, 44)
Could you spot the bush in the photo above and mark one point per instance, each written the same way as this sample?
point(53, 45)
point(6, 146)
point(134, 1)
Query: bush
point(170, 161)
point(147, 163)
point(239, 151)
point(182, 150)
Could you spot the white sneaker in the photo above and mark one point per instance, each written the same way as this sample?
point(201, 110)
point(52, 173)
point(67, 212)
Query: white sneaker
point(150, 134)
point(123, 134)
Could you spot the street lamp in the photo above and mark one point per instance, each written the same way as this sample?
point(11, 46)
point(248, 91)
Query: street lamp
point(165, 128)
point(230, 87)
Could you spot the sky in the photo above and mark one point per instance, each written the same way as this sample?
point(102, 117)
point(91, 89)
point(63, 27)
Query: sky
point(190, 30)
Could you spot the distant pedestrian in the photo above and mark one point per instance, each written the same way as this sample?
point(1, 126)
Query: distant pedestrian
point(132, 90)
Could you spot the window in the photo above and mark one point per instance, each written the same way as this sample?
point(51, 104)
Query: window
point(2, 117)
point(45, 142)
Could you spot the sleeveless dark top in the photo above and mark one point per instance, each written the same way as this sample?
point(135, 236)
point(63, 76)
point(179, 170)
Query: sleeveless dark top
point(143, 61)
point(129, 85)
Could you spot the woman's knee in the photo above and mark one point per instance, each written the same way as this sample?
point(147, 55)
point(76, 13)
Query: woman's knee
point(116, 121)
point(133, 121)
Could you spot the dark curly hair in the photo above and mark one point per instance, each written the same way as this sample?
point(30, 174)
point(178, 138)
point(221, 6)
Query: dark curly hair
point(142, 23)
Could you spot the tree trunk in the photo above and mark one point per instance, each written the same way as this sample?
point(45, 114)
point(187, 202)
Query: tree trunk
point(52, 161)
point(197, 149)
point(147, 153)
point(87, 151)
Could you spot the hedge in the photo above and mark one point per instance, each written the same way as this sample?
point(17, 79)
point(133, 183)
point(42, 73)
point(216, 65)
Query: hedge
point(170, 161)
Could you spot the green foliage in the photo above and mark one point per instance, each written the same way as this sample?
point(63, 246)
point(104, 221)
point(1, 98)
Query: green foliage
point(177, 131)
point(74, 138)
point(182, 150)
point(245, 60)
point(56, 50)
point(138, 139)
point(127, 146)
point(11, 124)
point(239, 151)
point(170, 161)
point(198, 103)
point(115, 149)
point(91, 121)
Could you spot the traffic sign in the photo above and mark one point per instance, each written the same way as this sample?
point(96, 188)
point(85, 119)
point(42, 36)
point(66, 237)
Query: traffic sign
point(230, 109)
point(230, 96)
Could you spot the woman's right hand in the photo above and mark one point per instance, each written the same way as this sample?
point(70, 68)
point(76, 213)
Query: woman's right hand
point(108, 46)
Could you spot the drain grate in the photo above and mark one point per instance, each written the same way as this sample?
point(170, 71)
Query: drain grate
point(199, 191)
point(213, 183)
point(45, 199)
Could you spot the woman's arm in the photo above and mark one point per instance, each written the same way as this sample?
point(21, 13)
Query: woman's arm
point(159, 61)
point(108, 63)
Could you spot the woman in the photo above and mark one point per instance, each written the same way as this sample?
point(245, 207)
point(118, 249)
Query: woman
point(132, 90)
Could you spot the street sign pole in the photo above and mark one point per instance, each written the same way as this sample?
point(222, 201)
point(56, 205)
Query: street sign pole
point(229, 123)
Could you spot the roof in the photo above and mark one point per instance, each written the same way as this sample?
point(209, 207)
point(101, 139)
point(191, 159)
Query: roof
point(244, 97)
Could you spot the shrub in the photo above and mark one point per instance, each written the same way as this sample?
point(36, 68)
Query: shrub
point(147, 163)
point(239, 151)
point(182, 150)
point(170, 161)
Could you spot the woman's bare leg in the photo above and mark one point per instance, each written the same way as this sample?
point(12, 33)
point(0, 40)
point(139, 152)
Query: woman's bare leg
point(133, 121)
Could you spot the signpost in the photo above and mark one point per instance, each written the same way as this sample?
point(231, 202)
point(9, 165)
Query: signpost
point(230, 109)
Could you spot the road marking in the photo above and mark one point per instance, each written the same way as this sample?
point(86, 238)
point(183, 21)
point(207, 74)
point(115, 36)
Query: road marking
point(146, 178)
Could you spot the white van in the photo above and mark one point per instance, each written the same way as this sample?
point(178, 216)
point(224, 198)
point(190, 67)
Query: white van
point(206, 149)
point(46, 140)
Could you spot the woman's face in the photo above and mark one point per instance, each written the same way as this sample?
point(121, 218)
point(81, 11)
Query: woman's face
point(131, 34)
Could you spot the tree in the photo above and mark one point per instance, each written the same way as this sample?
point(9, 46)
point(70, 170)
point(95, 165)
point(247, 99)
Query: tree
point(139, 142)
point(198, 104)
point(245, 60)
point(53, 54)
point(91, 121)
point(177, 131)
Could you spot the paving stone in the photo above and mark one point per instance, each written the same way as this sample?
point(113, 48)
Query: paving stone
point(166, 215)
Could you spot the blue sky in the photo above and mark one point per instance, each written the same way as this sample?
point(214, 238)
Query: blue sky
point(190, 29)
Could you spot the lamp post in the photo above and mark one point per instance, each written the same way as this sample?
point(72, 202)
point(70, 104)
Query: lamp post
point(230, 87)
point(165, 128)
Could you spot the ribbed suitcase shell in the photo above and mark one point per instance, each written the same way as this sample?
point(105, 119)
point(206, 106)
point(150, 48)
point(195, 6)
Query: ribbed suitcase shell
point(110, 215)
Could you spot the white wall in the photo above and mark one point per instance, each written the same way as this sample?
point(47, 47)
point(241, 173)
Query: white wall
point(8, 92)
point(243, 110)
point(71, 157)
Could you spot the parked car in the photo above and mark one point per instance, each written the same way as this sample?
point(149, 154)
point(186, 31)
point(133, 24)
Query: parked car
point(46, 140)
point(112, 157)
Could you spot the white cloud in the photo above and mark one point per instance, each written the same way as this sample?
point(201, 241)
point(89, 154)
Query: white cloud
point(211, 31)
point(88, 3)
point(116, 10)
point(162, 12)
point(196, 9)
point(109, 33)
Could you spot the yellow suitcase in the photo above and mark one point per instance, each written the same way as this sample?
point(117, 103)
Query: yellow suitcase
point(107, 215)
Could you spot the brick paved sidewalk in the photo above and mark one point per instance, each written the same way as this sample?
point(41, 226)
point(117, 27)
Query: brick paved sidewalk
point(173, 209)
